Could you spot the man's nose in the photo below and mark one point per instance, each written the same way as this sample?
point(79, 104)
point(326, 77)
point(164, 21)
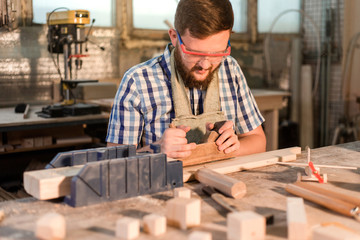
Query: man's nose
point(205, 63)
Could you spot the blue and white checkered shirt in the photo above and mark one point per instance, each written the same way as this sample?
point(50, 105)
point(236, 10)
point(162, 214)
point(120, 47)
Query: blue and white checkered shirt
point(143, 106)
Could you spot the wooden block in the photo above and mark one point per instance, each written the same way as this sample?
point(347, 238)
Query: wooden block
point(47, 140)
point(51, 226)
point(127, 228)
point(28, 142)
point(50, 183)
point(333, 232)
point(296, 218)
point(183, 212)
point(200, 235)
point(154, 224)
point(182, 192)
point(38, 142)
point(245, 225)
point(8, 147)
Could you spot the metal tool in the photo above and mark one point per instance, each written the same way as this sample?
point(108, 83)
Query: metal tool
point(222, 201)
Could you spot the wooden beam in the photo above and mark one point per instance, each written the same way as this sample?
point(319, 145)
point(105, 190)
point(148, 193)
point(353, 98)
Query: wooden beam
point(50, 183)
point(237, 164)
point(54, 183)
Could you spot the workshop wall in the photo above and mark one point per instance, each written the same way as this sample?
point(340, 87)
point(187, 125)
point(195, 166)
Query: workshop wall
point(28, 73)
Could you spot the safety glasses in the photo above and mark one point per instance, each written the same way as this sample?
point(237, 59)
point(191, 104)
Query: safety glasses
point(196, 56)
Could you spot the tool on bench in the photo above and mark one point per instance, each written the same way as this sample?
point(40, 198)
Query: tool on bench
point(114, 173)
point(208, 150)
point(312, 171)
point(340, 203)
point(223, 201)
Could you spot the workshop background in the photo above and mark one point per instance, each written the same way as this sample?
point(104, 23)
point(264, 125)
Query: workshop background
point(326, 43)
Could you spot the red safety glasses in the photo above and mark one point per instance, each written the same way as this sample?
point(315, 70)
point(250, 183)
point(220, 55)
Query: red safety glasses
point(195, 56)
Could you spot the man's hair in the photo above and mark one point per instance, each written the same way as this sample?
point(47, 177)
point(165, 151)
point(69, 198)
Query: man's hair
point(204, 17)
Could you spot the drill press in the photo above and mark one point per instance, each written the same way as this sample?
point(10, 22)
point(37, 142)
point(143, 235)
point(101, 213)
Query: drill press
point(66, 35)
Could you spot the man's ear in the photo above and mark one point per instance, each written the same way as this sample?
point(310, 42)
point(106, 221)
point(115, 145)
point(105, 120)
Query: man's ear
point(173, 36)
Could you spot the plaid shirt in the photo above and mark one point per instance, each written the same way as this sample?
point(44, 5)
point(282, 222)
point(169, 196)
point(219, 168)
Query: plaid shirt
point(143, 105)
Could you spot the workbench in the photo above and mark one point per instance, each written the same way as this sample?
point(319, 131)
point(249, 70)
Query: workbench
point(14, 125)
point(265, 193)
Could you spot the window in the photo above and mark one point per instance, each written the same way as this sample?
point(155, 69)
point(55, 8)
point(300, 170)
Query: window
point(152, 14)
point(268, 11)
point(101, 11)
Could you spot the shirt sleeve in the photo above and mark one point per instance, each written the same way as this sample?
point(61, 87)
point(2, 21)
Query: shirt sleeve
point(248, 114)
point(126, 120)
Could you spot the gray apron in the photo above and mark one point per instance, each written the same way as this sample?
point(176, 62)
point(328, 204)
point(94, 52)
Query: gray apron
point(183, 113)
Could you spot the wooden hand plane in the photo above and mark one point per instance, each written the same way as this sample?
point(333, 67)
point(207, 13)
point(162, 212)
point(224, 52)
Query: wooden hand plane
point(208, 150)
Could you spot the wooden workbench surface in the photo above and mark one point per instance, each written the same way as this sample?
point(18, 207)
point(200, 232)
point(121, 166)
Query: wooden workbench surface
point(9, 119)
point(265, 193)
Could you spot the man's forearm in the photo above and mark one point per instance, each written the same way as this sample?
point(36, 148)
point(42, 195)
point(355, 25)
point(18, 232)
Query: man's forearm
point(250, 144)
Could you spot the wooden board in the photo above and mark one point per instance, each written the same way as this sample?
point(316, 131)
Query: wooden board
point(54, 183)
point(245, 162)
point(50, 183)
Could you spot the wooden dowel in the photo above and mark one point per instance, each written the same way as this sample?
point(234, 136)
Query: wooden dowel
point(331, 193)
point(225, 184)
point(325, 201)
point(317, 165)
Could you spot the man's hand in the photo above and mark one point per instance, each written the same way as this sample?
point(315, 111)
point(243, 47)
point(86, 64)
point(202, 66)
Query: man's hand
point(174, 143)
point(228, 141)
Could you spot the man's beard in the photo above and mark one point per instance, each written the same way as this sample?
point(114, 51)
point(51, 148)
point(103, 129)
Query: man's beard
point(188, 78)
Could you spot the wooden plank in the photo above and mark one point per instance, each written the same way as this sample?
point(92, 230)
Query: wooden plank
point(54, 183)
point(245, 162)
point(50, 183)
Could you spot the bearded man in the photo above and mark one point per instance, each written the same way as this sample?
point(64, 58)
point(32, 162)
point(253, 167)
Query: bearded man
point(194, 84)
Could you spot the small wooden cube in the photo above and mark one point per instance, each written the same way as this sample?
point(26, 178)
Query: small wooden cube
point(38, 142)
point(296, 218)
point(245, 225)
point(127, 228)
point(200, 235)
point(51, 226)
point(332, 232)
point(183, 212)
point(154, 224)
point(27, 143)
point(182, 192)
point(47, 140)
